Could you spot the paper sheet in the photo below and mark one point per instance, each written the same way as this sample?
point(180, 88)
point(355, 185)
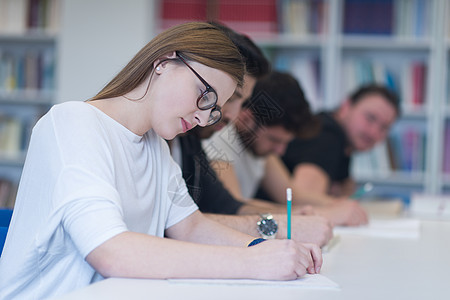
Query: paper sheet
point(398, 228)
point(430, 206)
point(308, 281)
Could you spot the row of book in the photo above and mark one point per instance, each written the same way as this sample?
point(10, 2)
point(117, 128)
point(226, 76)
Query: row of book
point(30, 70)
point(303, 17)
point(8, 192)
point(388, 17)
point(446, 162)
point(23, 16)
point(15, 135)
point(408, 81)
point(245, 16)
point(403, 151)
point(412, 18)
point(447, 86)
point(307, 70)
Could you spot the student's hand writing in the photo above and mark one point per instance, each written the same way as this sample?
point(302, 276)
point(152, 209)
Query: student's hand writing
point(284, 260)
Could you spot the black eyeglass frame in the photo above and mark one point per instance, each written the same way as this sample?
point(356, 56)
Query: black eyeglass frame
point(209, 89)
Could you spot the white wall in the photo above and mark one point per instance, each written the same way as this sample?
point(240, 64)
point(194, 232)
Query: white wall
point(97, 38)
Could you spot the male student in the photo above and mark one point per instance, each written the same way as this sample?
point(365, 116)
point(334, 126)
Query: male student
point(321, 164)
point(209, 193)
point(246, 154)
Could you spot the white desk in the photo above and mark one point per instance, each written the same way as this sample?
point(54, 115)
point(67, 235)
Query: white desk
point(365, 268)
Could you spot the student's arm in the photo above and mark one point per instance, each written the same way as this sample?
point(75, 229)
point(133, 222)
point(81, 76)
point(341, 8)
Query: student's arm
point(346, 188)
point(138, 255)
point(276, 179)
point(256, 206)
point(305, 229)
point(226, 174)
point(312, 177)
point(307, 189)
point(311, 182)
point(343, 211)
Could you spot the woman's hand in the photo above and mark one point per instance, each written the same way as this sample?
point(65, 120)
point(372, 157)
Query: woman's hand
point(283, 260)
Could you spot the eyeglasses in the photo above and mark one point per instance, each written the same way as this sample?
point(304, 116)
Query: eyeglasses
point(207, 99)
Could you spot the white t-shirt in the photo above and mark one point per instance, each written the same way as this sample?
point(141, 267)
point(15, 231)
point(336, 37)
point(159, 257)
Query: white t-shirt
point(86, 179)
point(226, 145)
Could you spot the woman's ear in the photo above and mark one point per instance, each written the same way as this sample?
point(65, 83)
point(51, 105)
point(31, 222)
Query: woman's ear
point(161, 62)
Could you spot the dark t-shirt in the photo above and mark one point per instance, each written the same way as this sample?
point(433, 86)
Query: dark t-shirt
point(326, 150)
point(201, 180)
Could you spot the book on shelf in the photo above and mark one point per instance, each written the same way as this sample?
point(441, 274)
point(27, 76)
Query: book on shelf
point(403, 151)
point(408, 143)
point(302, 17)
point(373, 17)
point(10, 137)
point(174, 12)
point(357, 72)
point(446, 153)
point(447, 88)
point(409, 83)
point(43, 15)
point(413, 88)
point(403, 18)
point(8, 192)
point(13, 16)
point(30, 71)
point(372, 163)
point(412, 18)
point(249, 16)
point(252, 17)
point(307, 71)
point(22, 16)
point(242, 16)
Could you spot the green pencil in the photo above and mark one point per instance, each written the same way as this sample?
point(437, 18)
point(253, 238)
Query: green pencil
point(289, 209)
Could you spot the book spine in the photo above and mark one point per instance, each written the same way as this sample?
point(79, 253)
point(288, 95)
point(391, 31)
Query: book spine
point(446, 166)
point(374, 17)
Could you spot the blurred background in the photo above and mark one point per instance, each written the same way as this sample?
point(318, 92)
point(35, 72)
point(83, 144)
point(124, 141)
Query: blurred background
point(53, 51)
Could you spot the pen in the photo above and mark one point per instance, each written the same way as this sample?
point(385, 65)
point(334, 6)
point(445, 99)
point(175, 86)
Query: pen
point(289, 208)
point(365, 188)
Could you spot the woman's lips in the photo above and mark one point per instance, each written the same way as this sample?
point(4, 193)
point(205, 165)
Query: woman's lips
point(186, 125)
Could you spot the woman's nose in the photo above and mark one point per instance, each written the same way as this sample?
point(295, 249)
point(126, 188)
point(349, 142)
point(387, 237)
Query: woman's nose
point(202, 117)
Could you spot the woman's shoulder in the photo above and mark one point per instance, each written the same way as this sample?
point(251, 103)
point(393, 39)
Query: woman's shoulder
point(69, 116)
point(70, 107)
point(72, 112)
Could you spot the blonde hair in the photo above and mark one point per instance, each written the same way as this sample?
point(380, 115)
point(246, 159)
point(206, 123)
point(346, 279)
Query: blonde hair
point(196, 41)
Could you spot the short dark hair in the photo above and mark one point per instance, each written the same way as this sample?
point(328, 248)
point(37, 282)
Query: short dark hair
point(279, 100)
point(376, 89)
point(256, 63)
